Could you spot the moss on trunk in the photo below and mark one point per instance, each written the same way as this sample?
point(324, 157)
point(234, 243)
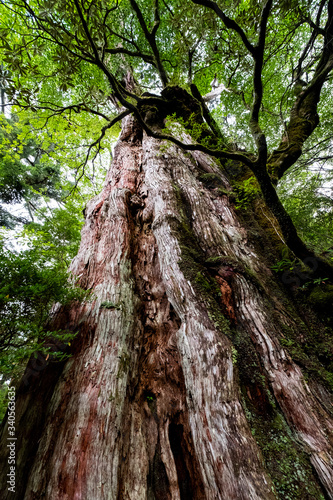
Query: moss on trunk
point(185, 380)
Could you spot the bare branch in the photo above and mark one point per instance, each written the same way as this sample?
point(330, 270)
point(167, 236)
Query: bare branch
point(215, 93)
point(97, 143)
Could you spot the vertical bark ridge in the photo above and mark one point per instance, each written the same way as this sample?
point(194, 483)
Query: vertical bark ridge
point(218, 232)
point(301, 408)
point(156, 403)
point(225, 448)
point(90, 396)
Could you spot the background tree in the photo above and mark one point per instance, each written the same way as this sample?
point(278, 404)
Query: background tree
point(37, 241)
point(39, 179)
point(197, 372)
point(23, 176)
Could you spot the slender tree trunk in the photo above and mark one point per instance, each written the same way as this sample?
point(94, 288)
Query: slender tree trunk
point(178, 387)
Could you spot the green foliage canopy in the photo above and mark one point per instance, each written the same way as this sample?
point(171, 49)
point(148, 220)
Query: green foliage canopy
point(68, 57)
point(72, 58)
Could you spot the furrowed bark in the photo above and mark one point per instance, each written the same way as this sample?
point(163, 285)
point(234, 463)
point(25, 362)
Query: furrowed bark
point(152, 403)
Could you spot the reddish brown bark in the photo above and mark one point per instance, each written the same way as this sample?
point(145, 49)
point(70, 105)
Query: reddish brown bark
point(151, 405)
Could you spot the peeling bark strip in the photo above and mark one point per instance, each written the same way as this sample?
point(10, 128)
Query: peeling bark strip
point(149, 406)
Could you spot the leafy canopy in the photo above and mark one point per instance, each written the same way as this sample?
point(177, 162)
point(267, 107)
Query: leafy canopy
point(71, 56)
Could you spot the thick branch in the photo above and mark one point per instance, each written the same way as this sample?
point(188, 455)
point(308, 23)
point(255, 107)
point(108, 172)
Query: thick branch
point(259, 59)
point(216, 153)
point(205, 112)
point(214, 93)
point(150, 37)
point(157, 20)
point(256, 131)
point(303, 116)
point(121, 50)
point(286, 224)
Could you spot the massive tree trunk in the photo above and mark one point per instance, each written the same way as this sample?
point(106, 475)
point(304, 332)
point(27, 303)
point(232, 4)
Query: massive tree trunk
point(178, 386)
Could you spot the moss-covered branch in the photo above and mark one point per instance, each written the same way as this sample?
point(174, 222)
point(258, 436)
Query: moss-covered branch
point(303, 116)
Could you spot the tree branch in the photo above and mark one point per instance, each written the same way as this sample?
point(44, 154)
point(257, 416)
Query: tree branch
point(228, 22)
point(214, 93)
point(205, 112)
point(98, 142)
point(157, 20)
point(303, 116)
point(115, 85)
point(256, 131)
point(216, 153)
point(121, 50)
point(150, 37)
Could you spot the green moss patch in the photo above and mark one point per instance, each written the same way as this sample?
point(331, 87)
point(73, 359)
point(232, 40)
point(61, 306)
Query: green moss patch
point(287, 463)
point(322, 298)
